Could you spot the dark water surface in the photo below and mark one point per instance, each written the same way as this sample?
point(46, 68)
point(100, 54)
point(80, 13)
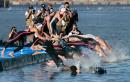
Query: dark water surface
point(110, 23)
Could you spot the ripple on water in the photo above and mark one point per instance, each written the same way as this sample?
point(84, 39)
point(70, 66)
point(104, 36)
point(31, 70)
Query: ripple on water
point(110, 23)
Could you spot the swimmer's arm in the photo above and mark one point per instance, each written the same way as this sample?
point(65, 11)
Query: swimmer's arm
point(37, 47)
point(38, 35)
point(55, 38)
point(46, 35)
point(12, 31)
point(70, 13)
point(48, 25)
point(38, 13)
point(52, 14)
point(10, 34)
point(109, 46)
point(41, 47)
point(28, 15)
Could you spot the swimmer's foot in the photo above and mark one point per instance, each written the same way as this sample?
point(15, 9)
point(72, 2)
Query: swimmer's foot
point(11, 54)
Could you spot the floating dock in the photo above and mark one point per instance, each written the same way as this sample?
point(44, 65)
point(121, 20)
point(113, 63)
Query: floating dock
point(22, 58)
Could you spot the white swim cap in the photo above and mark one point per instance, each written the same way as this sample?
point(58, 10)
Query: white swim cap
point(63, 9)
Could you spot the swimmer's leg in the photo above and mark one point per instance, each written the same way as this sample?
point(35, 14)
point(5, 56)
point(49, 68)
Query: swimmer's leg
point(52, 53)
point(100, 51)
point(3, 50)
point(21, 46)
point(20, 35)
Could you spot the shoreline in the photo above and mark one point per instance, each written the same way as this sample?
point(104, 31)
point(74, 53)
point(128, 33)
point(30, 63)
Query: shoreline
point(81, 4)
point(73, 5)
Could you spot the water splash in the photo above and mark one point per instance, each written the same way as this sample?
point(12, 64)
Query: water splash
point(52, 69)
point(10, 8)
point(90, 59)
point(119, 53)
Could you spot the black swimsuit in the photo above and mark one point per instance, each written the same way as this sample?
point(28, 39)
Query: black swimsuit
point(21, 37)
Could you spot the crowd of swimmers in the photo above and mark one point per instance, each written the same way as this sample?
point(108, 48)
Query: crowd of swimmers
point(46, 28)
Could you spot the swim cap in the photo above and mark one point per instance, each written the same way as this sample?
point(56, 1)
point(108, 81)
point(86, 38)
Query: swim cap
point(30, 7)
point(100, 70)
point(73, 70)
point(63, 9)
point(43, 5)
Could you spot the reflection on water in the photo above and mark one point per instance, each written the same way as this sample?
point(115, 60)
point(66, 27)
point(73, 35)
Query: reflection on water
point(111, 23)
point(36, 74)
point(25, 74)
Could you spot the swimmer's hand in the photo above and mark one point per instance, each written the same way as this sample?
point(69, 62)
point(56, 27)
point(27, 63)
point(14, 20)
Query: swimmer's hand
point(56, 38)
point(48, 38)
point(11, 54)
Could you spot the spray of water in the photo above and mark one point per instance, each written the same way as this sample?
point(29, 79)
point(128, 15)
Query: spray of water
point(90, 59)
point(119, 53)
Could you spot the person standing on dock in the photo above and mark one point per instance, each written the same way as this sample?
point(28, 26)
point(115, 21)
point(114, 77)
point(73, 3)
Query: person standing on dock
point(30, 15)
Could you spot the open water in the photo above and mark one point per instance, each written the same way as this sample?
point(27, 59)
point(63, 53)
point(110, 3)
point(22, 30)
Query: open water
point(112, 23)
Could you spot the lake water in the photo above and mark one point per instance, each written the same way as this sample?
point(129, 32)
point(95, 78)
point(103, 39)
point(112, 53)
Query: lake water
point(112, 23)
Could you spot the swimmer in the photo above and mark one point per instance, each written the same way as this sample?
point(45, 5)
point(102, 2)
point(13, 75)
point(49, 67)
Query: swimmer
point(93, 42)
point(21, 37)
